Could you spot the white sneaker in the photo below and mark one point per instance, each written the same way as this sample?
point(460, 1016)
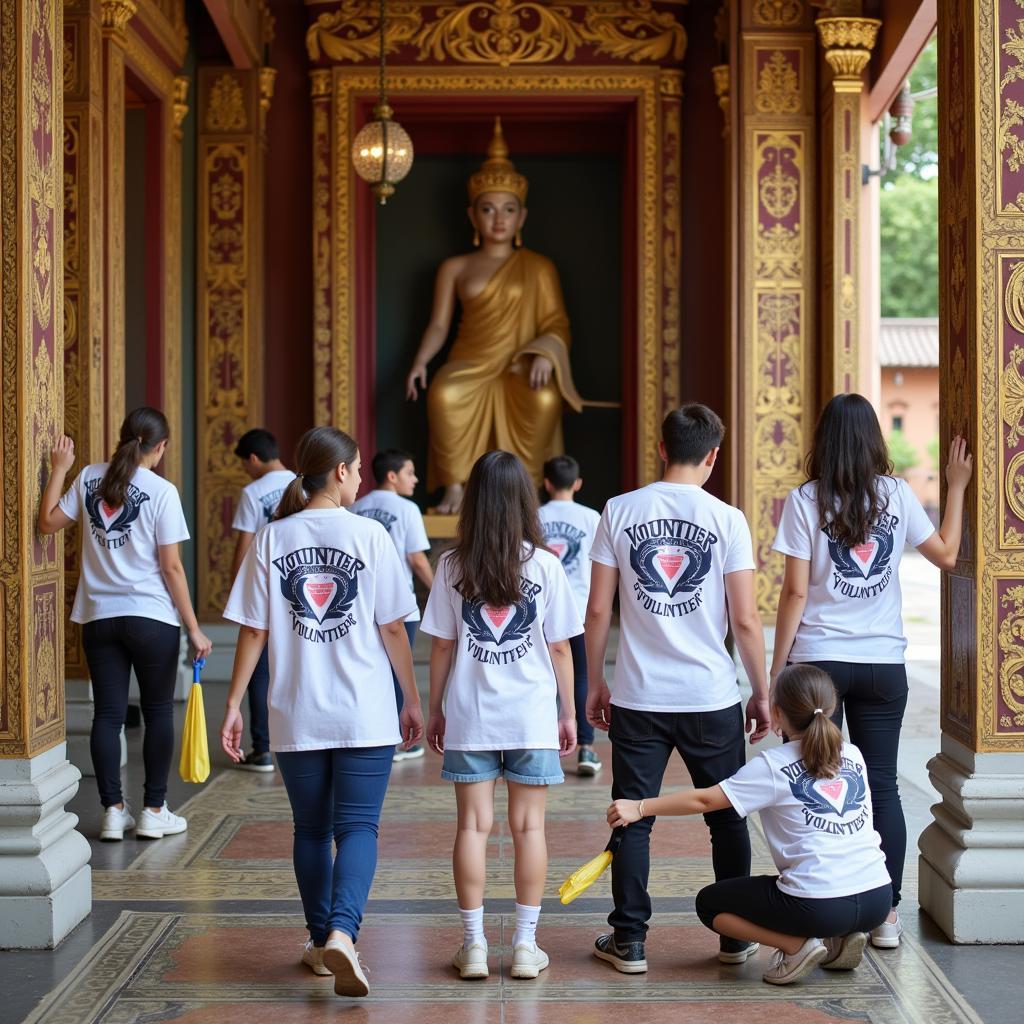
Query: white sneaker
point(116, 821)
point(408, 755)
point(528, 960)
point(157, 824)
point(313, 958)
point(845, 952)
point(343, 962)
point(471, 962)
point(887, 934)
point(785, 969)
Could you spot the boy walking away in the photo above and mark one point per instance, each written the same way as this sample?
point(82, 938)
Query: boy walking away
point(258, 452)
point(568, 529)
point(391, 506)
point(684, 567)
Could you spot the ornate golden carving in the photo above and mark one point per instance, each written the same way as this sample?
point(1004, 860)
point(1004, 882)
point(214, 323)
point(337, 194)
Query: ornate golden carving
point(778, 13)
point(671, 230)
point(1011, 645)
point(720, 76)
point(778, 191)
point(117, 13)
point(267, 77)
point(846, 33)
point(179, 105)
point(778, 87)
point(225, 110)
point(502, 32)
point(319, 83)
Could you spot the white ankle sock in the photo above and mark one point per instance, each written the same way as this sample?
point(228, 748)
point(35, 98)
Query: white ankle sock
point(473, 927)
point(526, 925)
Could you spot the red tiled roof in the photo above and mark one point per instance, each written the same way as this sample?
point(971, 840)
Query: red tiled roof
point(907, 341)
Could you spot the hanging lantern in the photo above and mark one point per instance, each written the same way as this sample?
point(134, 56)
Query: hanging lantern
point(382, 151)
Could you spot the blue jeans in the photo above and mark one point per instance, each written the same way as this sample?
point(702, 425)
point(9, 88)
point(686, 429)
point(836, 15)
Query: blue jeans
point(259, 684)
point(410, 630)
point(336, 797)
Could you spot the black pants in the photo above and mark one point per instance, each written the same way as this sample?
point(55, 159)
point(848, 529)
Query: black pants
point(259, 684)
point(874, 698)
point(580, 682)
point(113, 647)
point(760, 901)
point(711, 746)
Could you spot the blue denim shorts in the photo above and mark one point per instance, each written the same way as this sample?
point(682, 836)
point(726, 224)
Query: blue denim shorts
point(528, 767)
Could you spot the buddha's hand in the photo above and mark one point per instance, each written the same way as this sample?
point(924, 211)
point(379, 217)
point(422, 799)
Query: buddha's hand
point(417, 375)
point(540, 372)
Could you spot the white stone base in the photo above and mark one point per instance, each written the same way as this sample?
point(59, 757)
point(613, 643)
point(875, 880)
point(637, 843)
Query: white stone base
point(971, 868)
point(45, 880)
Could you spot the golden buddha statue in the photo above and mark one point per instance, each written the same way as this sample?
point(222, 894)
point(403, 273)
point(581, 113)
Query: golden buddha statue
point(508, 371)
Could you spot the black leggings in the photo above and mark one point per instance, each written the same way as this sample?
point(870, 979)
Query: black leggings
point(760, 900)
point(874, 698)
point(584, 730)
point(113, 647)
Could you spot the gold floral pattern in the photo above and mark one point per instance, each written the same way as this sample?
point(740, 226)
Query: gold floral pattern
point(778, 86)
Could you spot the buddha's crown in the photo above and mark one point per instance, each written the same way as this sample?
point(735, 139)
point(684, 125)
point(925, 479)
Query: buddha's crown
point(498, 173)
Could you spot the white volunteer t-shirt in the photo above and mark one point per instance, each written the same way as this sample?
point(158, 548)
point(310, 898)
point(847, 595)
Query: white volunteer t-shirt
point(121, 546)
point(569, 531)
point(501, 691)
point(322, 581)
point(259, 500)
point(854, 609)
point(404, 523)
point(820, 831)
point(673, 544)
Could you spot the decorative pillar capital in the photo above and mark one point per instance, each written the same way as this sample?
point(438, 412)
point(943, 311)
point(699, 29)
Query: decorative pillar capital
point(116, 15)
point(720, 76)
point(848, 43)
point(179, 106)
point(268, 76)
point(319, 84)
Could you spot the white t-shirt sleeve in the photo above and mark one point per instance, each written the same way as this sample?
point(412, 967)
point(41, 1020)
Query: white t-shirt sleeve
point(740, 554)
point(416, 535)
point(793, 537)
point(247, 516)
point(392, 598)
point(561, 616)
point(919, 526)
point(602, 550)
point(170, 519)
point(249, 601)
point(71, 502)
point(752, 787)
point(439, 617)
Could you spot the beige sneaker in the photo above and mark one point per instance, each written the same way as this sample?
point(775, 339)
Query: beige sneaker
point(471, 962)
point(786, 969)
point(313, 958)
point(528, 961)
point(343, 962)
point(845, 953)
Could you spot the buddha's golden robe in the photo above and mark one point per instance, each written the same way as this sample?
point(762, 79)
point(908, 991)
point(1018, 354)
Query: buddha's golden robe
point(481, 398)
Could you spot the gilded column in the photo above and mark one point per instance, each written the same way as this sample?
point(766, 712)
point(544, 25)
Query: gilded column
point(84, 358)
point(670, 85)
point(229, 337)
point(970, 877)
point(775, 233)
point(45, 886)
point(116, 14)
point(323, 233)
point(847, 44)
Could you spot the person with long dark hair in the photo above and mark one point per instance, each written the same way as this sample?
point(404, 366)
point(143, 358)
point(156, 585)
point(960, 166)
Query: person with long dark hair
point(326, 588)
point(843, 533)
point(815, 805)
point(131, 602)
point(501, 614)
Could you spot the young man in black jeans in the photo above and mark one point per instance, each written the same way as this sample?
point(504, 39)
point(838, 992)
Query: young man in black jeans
point(683, 564)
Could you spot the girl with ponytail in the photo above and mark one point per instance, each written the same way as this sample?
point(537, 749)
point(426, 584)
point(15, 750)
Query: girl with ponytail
point(327, 590)
point(131, 602)
point(813, 796)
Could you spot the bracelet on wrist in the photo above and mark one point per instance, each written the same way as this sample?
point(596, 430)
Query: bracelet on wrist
point(640, 809)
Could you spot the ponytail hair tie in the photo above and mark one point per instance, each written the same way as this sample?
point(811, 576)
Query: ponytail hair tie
point(818, 711)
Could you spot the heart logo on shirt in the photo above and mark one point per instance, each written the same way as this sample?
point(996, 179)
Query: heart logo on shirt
point(863, 556)
point(108, 515)
point(558, 548)
point(498, 618)
point(834, 791)
point(320, 593)
point(670, 565)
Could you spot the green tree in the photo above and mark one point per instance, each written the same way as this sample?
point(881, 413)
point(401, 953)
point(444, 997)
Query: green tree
point(903, 454)
point(933, 453)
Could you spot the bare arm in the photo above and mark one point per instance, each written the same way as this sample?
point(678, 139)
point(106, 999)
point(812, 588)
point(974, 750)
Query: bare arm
point(420, 565)
point(174, 576)
point(243, 540)
point(792, 601)
point(247, 653)
point(62, 458)
point(749, 636)
point(942, 547)
point(604, 581)
point(689, 801)
point(442, 653)
point(396, 643)
point(437, 329)
point(561, 661)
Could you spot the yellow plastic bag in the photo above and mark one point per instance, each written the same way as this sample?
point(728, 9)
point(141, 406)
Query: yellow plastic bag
point(584, 877)
point(195, 753)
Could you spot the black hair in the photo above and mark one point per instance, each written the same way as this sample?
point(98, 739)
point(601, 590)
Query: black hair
point(562, 472)
point(142, 430)
point(690, 432)
point(258, 442)
point(390, 460)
